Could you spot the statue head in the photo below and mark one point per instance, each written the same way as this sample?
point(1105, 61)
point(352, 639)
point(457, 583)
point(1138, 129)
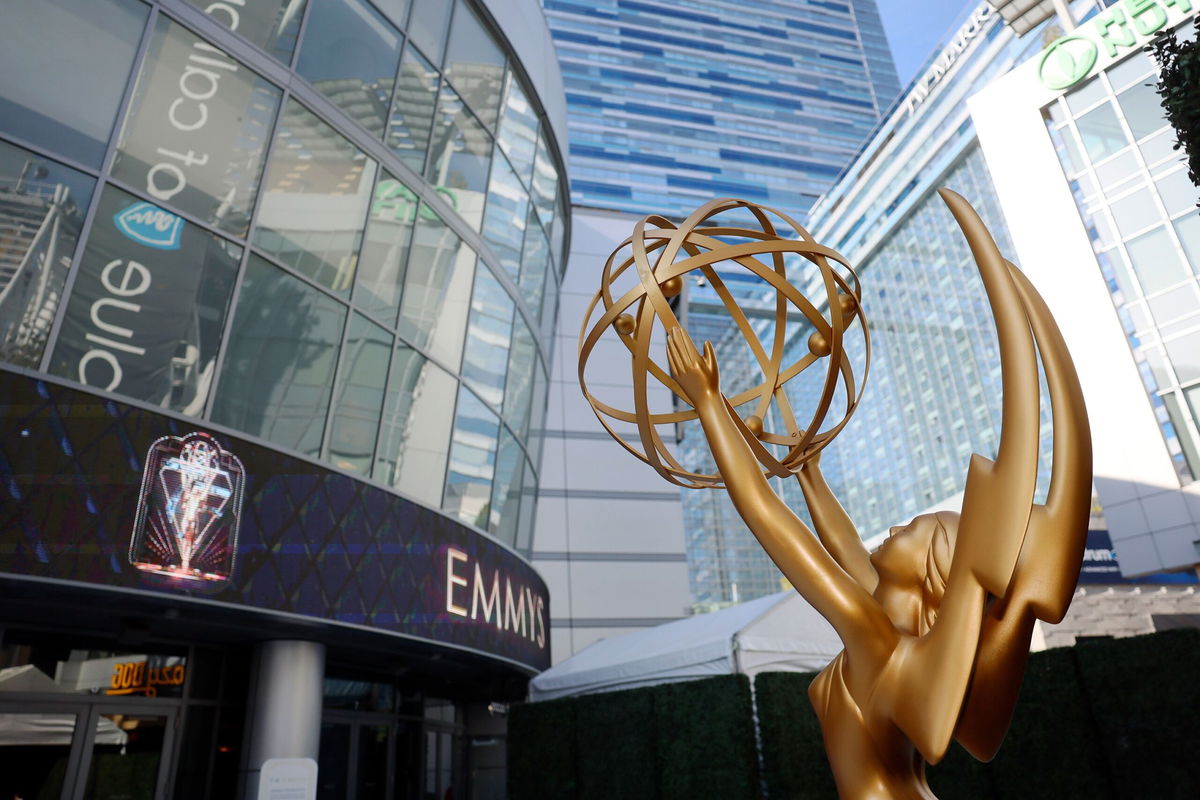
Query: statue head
point(913, 564)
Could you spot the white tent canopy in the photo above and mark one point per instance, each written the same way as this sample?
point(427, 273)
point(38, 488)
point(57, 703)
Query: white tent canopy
point(780, 632)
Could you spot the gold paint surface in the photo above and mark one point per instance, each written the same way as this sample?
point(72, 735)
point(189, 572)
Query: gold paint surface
point(936, 622)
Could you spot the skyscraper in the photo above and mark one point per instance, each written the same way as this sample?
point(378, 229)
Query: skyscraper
point(670, 105)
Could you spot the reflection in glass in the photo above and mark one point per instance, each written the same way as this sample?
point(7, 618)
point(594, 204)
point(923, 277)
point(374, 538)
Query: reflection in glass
point(358, 398)
point(412, 110)
point(318, 189)
point(1180, 302)
point(518, 129)
point(273, 25)
point(63, 68)
point(1135, 212)
point(489, 332)
point(535, 262)
point(1101, 132)
point(506, 215)
point(459, 154)
point(427, 26)
point(350, 53)
point(545, 182)
point(148, 306)
point(381, 263)
point(472, 461)
point(519, 380)
point(506, 491)
point(475, 65)
point(1177, 191)
point(417, 415)
point(437, 289)
point(1143, 109)
point(525, 523)
point(280, 361)
point(1155, 260)
point(195, 138)
point(33, 753)
point(126, 754)
point(42, 206)
point(1184, 355)
point(1188, 229)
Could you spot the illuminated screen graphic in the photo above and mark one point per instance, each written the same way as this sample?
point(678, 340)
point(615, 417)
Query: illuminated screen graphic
point(188, 510)
point(99, 492)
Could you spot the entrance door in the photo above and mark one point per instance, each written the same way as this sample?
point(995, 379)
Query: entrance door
point(84, 751)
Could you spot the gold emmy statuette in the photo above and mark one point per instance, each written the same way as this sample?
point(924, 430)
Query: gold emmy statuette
point(937, 621)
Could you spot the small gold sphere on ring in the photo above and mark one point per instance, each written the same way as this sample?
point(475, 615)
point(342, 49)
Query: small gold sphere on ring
point(818, 345)
point(848, 303)
point(755, 424)
point(624, 324)
point(672, 286)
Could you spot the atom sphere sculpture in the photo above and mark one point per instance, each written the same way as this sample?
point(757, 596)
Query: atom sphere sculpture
point(936, 622)
point(661, 255)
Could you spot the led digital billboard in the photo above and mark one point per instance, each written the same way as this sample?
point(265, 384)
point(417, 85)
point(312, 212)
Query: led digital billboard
point(96, 491)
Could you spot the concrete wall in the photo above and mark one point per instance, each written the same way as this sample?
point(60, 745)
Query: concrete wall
point(609, 535)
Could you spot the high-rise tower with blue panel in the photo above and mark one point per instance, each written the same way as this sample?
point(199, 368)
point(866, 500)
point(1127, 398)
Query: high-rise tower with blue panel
point(672, 104)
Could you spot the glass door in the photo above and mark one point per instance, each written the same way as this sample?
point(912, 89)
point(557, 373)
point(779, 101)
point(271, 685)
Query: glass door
point(36, 752)
point(125, 753)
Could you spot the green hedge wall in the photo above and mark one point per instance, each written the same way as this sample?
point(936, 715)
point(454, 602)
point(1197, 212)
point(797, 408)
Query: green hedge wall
point(1104, 720)
point(672, 742)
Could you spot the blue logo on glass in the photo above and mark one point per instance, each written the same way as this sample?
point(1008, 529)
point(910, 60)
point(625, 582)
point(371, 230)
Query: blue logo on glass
point(149, 225)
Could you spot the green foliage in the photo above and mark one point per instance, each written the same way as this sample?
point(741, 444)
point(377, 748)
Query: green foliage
point(1103, 720)
point(1144, 694)
point(1179, 92)
point(707, 747)
point(793, 750)
point(541, 750)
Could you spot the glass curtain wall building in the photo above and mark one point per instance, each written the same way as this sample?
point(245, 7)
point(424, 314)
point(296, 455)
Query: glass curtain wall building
point(278, 284)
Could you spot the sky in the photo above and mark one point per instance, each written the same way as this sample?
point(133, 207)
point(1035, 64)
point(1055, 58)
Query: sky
point(916, 27)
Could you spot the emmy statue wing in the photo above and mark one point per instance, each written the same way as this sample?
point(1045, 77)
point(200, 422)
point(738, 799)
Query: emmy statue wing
point(1051, 555)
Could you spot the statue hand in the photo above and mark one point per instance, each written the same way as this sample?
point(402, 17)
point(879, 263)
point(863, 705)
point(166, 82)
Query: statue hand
point(696, 374)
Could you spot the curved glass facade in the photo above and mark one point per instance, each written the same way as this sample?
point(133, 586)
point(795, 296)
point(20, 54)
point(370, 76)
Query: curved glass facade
point(334, 226)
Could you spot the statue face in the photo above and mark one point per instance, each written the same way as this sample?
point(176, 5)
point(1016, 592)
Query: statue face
point(901, 558)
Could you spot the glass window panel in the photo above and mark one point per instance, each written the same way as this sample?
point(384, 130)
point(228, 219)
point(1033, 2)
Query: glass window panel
point(1175, 304)
point(63, 68)
point(124, 765)
point(535, 260)
point(506, 491)
point(1137, 67)
point(1100, 228)
point(414, 436)
point(1193, 399)
point(1143, 109)
point(549, 317)
point(37, 768)
point(525, 523)
point(1177, 191)
point(1120, 271)
point(350, 53)
point(505, 216)
point(489, 335)
point(427, 28)
point(1068, 151)
point(279, 365)
point(333, 761)
point(545, 182)
point(519, 380)
point(518, 129)
point(1086, 95)
point(148, 307)
point(1184, 355)
point(1158, 366)
point(381, 264)
point(196, 133)
point(42, 206)
point(1101, 132)
point(1056, 113)
point(472, 461)
point(1135, 212)
point(318, 190)
point(1155, 260)
point(1118, 170)
point(437, 289)
point(475, 65)
point(396, 10)
point(412, 110)
point(358, 399)
point(1190, 466)
point(537, 414)
point(273, 25)
point(1188, 229)
point(460, 153)
point(556, 238)
point(1159, 147)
